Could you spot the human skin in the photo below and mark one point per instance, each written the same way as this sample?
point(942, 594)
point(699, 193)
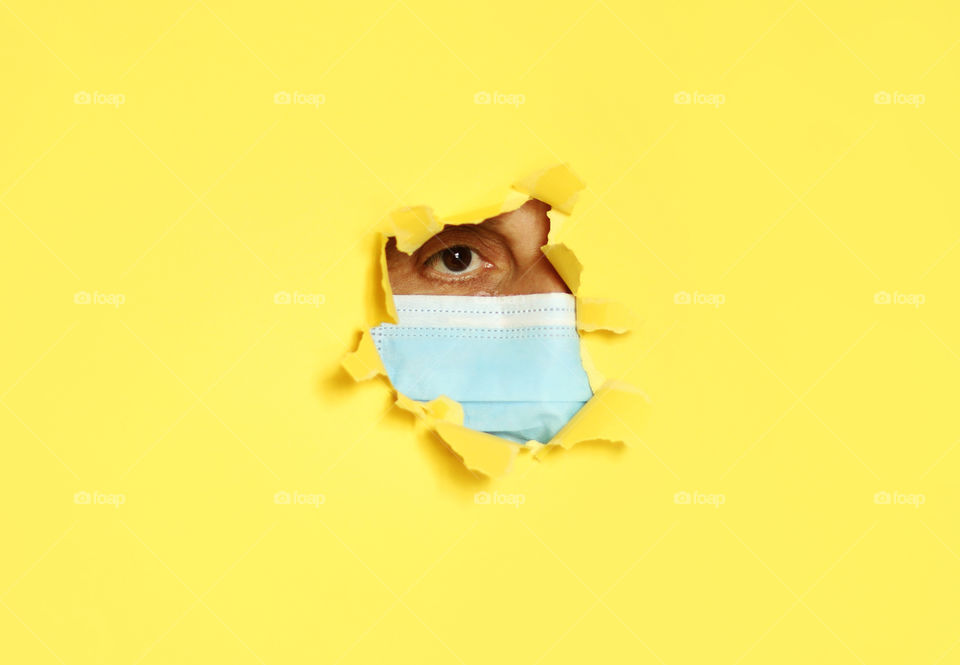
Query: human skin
point(498, 257)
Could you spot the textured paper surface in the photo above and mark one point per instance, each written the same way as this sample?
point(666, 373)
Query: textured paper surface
point(818, 400)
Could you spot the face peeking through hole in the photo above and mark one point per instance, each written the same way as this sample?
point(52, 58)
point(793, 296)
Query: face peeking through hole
point(483, 318)
point(498, 257)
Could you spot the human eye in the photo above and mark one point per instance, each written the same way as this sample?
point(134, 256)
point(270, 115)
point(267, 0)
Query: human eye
point(465, 259)
point(458, 260)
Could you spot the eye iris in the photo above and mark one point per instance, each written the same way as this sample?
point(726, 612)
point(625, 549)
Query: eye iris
point(457, 259)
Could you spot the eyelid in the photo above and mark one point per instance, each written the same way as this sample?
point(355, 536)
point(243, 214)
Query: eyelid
point(489, 249)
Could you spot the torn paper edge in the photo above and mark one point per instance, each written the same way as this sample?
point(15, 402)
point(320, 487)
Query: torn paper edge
point(598, 420)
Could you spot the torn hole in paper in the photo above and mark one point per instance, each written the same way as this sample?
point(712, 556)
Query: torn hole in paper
point(480, 332)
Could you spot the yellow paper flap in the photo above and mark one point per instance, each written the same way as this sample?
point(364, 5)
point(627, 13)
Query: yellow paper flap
point(557, 186)
point(412, 226)
point(481, 452)
point(602, 417)
point(364, 363)
point(601, 314)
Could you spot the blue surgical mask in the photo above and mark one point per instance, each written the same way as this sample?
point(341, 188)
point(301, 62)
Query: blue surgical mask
point(512, 362)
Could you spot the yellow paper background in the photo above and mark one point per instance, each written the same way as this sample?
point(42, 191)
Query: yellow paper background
point(198, 199)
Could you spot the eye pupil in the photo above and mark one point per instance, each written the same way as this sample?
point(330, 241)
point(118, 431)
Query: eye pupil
point(457, 259)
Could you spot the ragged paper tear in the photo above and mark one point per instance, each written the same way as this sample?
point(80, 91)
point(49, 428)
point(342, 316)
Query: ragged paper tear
point(602, 418)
